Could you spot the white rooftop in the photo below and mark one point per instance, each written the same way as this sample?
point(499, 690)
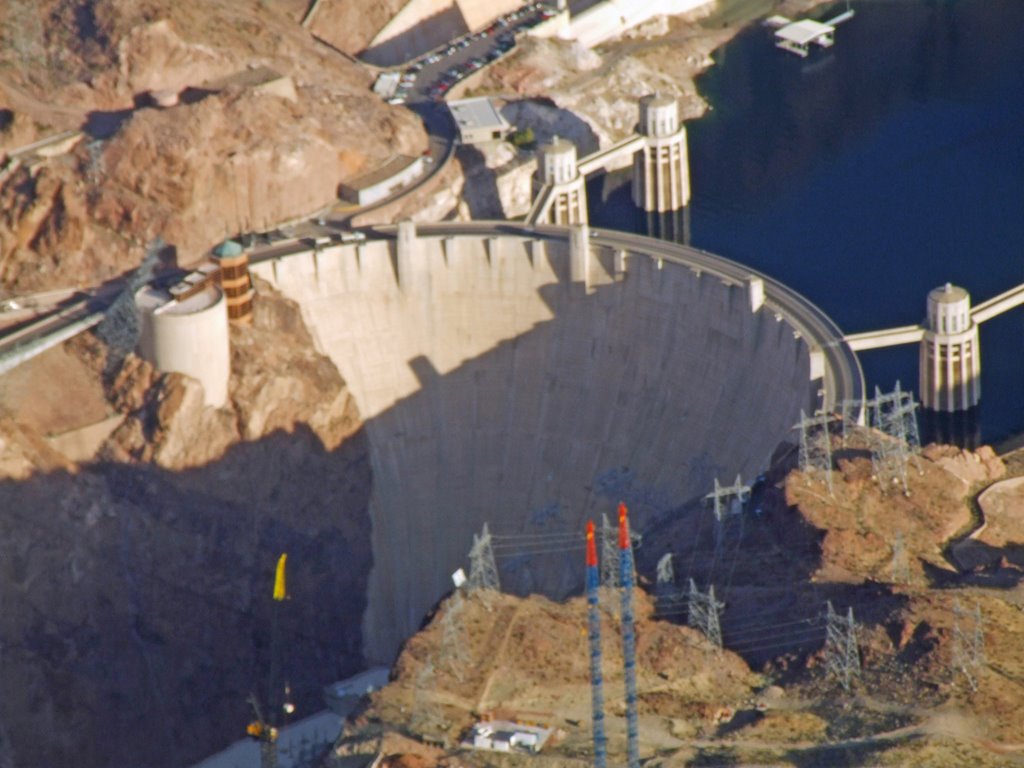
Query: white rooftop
point(476, 113)
point(804, 31)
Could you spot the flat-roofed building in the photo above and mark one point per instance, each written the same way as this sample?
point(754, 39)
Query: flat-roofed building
point(374, 186)
point(478, 120)
point(797, 36)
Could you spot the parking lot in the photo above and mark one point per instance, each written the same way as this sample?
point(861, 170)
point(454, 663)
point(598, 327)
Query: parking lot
point(431, 76)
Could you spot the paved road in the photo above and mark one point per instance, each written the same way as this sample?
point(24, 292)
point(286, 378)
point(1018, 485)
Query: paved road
point(27, 340)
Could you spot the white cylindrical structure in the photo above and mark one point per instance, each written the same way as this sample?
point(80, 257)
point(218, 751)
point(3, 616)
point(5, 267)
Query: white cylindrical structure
point(557, 164)
point(950, 358)
point(188, 336)
point(557, 171)
point(661, 170)
point(659, 116)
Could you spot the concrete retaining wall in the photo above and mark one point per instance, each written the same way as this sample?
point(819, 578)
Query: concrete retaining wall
point(613, 17)
point(503, 380)
point(422, 25)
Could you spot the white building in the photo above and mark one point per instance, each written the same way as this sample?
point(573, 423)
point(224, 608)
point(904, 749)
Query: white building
point(478, 120)
point(376, 185)
point(507, 736)
point(187, 335)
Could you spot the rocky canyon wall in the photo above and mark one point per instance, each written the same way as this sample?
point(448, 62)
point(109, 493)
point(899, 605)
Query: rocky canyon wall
point(136, 589)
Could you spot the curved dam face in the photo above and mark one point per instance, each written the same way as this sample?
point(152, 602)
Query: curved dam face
point(531, 379)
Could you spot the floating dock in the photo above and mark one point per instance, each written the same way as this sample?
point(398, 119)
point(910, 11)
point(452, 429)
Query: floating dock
point(798, 36)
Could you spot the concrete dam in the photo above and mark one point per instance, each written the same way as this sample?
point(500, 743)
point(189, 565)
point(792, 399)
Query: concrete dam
point(532, 377)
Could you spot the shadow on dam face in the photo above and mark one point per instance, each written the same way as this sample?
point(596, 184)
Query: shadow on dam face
point(502, 382)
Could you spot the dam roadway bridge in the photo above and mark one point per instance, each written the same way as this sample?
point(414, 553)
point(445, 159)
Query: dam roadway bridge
point(531, 377)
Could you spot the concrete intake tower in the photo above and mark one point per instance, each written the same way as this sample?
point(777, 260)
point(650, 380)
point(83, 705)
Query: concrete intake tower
point(950, 365)
point(661, 169)
point(558, 175)
point(531, 377)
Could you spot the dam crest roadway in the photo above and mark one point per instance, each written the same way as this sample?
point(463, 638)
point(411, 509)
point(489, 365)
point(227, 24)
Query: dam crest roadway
point(529, 377)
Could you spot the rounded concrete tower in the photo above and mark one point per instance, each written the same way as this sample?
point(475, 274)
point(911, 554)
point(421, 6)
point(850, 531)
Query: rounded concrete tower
point(950, 360)
point(559, 178)
point(189, 336)
point(557, 164)
point(661, 170)
point(659, 116)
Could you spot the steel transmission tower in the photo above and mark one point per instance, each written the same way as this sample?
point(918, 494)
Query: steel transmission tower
point(816, 445)
point(728, 503)
point(842, 654)
point(852, 414)
point(421, 708)
point(729, 499)
point(894, 438)
point(703, 612)
point(454, 655)
point(483, 570)
point(666, 576)
point(968, 645)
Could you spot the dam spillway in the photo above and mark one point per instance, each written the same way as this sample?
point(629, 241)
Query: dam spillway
point(531, 377)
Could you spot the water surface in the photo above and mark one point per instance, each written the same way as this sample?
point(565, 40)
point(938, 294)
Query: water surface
point(872, 172)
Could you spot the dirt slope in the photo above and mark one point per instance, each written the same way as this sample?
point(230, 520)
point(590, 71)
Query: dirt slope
point(218, 163)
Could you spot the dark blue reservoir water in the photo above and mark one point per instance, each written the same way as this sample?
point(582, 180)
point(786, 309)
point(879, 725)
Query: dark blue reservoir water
point(870, 173)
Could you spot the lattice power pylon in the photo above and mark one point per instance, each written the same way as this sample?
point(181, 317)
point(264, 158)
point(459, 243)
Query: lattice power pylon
point(729, 499)
point(852, 414)
point(422, 708)
point(816, 445)
point(842, 654)
point(667, 594)
point(703, 613)
point(454, 655)
point(968, 643)
point(666, 575)
point(483, 570)
point(894, 437)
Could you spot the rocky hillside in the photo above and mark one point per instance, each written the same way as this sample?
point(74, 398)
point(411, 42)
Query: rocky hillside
point(768, 698)
point(136, 587)
point(230, 156)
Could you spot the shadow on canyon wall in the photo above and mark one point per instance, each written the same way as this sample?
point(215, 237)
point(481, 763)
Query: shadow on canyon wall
point(137, 602)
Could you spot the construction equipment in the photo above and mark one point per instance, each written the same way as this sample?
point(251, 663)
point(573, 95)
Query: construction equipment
point(266, 734)
point(262, 729)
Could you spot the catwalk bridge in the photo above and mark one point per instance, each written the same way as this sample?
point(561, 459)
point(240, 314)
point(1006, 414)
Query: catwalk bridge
point(910, 334)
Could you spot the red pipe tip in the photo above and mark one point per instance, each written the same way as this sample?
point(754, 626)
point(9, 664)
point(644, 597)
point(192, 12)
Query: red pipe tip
point(591, 546)
point(623, 527)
